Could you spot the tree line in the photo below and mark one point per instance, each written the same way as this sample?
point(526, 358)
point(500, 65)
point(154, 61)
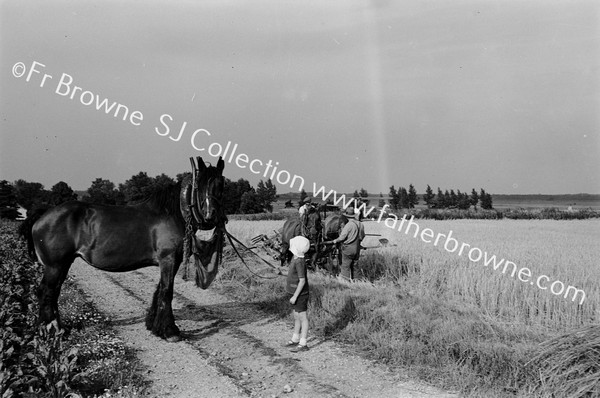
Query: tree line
point(402, 198)
point(31, 195)
point(240, 196)
point(457, 200)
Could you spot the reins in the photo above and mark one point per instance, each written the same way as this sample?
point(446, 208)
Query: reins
point(232, 238)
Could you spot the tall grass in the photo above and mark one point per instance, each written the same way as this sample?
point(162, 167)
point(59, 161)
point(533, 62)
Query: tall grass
point(566, 251)
point(447, 320)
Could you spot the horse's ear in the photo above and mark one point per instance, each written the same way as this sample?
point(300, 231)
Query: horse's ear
point(220, 165)
point(201, 165)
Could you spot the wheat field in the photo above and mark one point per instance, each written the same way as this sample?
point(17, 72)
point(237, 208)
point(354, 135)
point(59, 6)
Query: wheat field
point(565, 251)
point(443, 318)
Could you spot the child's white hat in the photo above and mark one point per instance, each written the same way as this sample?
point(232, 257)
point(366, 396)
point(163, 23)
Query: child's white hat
point(299, 245)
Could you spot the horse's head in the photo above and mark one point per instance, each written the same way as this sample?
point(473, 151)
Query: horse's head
point(313, 224)
point(333, 226)
point(207, 193)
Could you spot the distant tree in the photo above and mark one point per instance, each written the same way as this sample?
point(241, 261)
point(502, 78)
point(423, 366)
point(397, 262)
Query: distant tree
point(429, 197)
point(232, 194)
point(394, 198)
point(250, 203)
point(413, 198)
point(162, 181)
point(482, 195)
point(403, 197)
point(381, 200)
point(356, 195)
point(244, 185)
point(8, 201)
point(61, 192)
point(102, 192)
point(266, 194)
point(453, 199)
point(440, 199)
point(489, 202)
point(289, 204)
point(363, 193)
point(30, 194)
point(447, 199)
point(231, 200)
point(474, 198)
point(464, 202)
point(180, 176)
point(137, 188)
point(485, 199)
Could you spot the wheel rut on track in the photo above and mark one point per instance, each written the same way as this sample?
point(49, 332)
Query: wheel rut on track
point(232, 349)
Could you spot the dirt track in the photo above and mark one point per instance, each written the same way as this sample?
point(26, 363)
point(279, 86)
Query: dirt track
point(230, 349)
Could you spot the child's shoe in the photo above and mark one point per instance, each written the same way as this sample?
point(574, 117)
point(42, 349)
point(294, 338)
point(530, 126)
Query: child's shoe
point(299, 348)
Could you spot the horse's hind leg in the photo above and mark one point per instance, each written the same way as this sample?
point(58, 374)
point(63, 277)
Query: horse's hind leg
point(160, 319)
point(48, 292)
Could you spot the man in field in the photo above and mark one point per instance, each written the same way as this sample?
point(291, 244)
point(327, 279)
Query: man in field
point(305, 208)
point(303, 211)
point(351, 237)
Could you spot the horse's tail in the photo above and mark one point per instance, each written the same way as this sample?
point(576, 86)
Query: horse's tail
point(25, 230)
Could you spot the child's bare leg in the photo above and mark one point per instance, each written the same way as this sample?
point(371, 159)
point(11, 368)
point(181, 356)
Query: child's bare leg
point(297, 326)
point(303, 320)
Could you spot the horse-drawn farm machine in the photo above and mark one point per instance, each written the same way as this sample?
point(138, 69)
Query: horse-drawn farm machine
point(269, 245)
point(328, 257)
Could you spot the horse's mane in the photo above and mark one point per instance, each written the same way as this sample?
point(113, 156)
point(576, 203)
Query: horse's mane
point(165, 200)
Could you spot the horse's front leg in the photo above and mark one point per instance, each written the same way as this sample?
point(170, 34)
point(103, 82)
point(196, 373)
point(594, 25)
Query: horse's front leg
point(160, 319)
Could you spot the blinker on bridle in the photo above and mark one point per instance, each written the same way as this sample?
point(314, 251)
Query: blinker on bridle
point(195, 206)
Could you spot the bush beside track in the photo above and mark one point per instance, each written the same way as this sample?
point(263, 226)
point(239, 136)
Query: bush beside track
point(42, 362)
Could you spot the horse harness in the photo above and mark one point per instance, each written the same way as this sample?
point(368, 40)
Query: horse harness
point(194, 205)
point(193, 215)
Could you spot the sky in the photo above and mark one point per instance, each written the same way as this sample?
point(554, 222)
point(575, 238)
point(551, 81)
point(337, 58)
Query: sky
point(500, 95)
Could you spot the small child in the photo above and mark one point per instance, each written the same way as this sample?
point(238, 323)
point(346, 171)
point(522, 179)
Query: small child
point(297, 286)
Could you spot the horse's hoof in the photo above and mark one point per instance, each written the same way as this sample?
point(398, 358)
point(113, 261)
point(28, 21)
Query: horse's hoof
point(173, 339)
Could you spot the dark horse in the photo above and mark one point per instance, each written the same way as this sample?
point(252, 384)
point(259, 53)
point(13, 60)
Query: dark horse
point(311, 229)
point(159, 231)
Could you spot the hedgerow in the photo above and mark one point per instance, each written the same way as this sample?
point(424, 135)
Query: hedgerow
point(39, 361)
point(19, 372)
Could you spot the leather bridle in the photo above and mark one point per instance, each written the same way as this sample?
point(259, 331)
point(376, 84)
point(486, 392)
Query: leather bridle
point(197, 200)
